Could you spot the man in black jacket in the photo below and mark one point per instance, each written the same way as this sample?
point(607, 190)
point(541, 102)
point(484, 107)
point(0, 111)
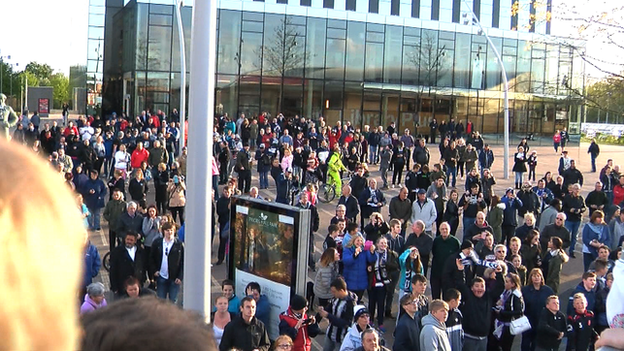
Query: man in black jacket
point(552, 326)
point(130, 220)
point(407, 332)
point(477, 308)
point(127, 261)
point(371, 200)
point(166, 263)
point(350, 202)
point(243, 168)
point(245, 332)
point(223, 211)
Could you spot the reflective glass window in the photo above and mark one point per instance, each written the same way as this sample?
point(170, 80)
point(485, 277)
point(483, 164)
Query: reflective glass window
point(274, 45)
point(159, 49)
point(430, 57)
point(374, 62)
point(373, 6)
point(251, 49)
point(493, 72)
point(335, 58)
point(229, 40)
point(315, 48)
point(350, 5)
point(328, 4)
point(462, 61)
point(393, 54)
point(355, 50)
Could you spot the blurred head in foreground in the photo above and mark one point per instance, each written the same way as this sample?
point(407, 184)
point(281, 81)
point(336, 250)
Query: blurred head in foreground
point(41, 245)
point(149, 324)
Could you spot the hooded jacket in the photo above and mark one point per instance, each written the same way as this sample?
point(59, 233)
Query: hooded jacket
point(427, 213)
point(433, 335)
point(353, 339)
point(302, 337)
point(511, 206)
point(89, 305)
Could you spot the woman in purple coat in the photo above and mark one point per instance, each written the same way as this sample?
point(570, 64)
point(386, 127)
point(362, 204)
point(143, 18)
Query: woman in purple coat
point(94, 299)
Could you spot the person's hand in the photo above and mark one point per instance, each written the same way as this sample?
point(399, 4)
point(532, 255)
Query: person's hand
point(157, 274)
point(460, 265)
point(91, 191)
point(358, 250)
point(372, 249)
point(178, 281)
point(498, 269)
point(299, 324)
point(322, 312)
point(561, 337)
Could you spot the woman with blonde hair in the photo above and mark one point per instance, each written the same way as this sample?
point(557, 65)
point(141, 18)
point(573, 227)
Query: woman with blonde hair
point(326, 272)
point(356, 259)
point(283, 343)
point(44, 252)
point(535, 294)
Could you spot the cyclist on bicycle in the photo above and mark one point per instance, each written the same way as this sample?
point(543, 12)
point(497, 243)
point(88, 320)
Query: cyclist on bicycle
point(334, 167)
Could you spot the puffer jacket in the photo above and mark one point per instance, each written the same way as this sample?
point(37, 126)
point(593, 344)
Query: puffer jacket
point(322, 280)
point(355, 271)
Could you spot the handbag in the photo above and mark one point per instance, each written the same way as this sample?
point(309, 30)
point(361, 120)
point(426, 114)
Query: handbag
point(519, 325)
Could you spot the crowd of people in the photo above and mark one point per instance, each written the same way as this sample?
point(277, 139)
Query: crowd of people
point(492, 258)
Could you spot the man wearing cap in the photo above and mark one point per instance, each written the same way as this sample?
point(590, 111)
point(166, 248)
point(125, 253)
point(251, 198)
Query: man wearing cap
point(424, 209)
point(243, 168)
point(298, 325)
point(353, 340)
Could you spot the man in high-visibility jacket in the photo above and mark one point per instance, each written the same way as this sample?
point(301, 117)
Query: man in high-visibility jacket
point(334, 166)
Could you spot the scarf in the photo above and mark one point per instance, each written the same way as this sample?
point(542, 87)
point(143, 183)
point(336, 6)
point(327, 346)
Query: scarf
point(381, 274)
point(498, 325)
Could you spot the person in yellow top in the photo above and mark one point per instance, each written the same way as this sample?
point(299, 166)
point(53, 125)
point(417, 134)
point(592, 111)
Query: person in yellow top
point(334, 166)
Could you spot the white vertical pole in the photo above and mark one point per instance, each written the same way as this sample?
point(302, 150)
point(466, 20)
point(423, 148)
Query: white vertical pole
point(178, 8)
point(197, 273)
point(505, 92)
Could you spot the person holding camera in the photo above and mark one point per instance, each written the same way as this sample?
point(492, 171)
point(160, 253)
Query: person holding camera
point(295, 323)
point(177, 197)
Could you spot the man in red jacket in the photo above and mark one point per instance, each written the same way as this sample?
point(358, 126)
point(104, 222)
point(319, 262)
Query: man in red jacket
point(139, 155)
point(618, 192)
point(296, 324)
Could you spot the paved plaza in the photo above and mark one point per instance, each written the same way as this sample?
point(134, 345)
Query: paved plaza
point(547, 161)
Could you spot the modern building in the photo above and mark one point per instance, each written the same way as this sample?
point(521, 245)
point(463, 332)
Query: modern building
point(370, 62)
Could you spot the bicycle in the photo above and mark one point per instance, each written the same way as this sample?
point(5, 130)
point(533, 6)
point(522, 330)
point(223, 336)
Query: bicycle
point(327, 191)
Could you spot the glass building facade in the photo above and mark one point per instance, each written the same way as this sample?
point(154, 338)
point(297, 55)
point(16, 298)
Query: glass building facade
point(370, 70)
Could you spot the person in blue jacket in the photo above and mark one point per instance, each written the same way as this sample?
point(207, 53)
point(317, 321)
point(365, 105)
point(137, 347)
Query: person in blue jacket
point(94, 193)
point(510, 222)
point(356, 259)
point(92, 266)
point(587, 286)
point(263, 307)
point(595, 234)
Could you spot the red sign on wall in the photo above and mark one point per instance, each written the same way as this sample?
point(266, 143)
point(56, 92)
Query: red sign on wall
point(44, 106)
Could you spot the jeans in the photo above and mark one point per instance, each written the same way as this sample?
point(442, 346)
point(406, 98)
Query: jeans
point(384, 176)
point(376, 304)
point(394, 280)
point(451, 170)
point(175, 211)
point(94, 219)
point(372, 153)
point(573, 227)
point(471, 344)
point(330, 345)
point(556, 146)
point(167, 288)
point(519, 176)
point(531, 173)
point(587, 260)
point(398, 172)
point(593, 163)
point(264, 179)
point(528, 340)
point(244, 181)
point(215, 186)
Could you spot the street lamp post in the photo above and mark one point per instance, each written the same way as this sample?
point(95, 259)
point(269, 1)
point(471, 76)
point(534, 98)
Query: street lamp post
point(476, 21)
point(178, 8)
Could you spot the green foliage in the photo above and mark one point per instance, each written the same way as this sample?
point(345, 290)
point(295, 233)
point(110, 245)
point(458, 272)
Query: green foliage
point(60, 84)
point(43, 72)
point(606, 96)
point(605, 139)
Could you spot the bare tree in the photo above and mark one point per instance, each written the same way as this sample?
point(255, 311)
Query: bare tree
point(284, 54)
point(431, 62)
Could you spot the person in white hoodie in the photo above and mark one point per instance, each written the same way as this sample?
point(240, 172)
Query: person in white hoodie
point(353, 339)
point(433, 336)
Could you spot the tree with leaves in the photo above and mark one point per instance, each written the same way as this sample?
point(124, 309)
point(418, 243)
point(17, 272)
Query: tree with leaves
point(41, 71)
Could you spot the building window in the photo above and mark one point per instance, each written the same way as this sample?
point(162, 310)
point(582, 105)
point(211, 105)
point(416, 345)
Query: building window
point(476, 8)
point(435, 10)
point(373, 6)
point(395, 7)
point(457, 10)
point(328, 4)
point(514, 18)
point(351, 5)
point(306, 2)
point(282, 1)
point(496, 14)
point(415, 8)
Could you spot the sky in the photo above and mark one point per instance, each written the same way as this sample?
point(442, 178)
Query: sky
point(45, 31)
point(55, 31)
